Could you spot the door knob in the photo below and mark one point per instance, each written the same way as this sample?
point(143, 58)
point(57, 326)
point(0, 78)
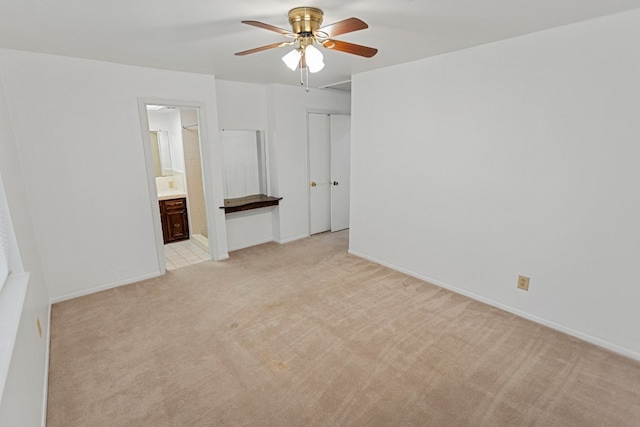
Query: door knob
point(335, 183)
point(313, 183)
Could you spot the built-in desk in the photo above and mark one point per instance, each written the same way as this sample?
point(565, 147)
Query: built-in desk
point(246, 203)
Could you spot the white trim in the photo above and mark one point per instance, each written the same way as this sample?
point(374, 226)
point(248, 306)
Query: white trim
point(214, 231)
point(584, 337)
point(11, 304)
point(104, 287)
point(45, 392)
point(151, 182)
point(308, 156)
point(11, 251)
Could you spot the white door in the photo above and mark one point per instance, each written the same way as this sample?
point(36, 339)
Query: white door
point(329, 161)
point(320, 172)
point(340, 171)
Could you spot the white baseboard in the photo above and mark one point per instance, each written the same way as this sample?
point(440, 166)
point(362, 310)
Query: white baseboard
point(103, 287)
point(249, 244)
point(577, 334)
point(292, 239)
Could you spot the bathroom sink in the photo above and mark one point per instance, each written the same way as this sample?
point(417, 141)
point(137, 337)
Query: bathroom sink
point(171, 194)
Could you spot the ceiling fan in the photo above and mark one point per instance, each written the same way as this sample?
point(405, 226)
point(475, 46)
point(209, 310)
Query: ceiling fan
point(305, 31)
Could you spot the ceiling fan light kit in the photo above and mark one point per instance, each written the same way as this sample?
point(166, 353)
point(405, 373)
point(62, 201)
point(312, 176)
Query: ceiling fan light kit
point(313, 58)
point(292, 59)
point(305, 31)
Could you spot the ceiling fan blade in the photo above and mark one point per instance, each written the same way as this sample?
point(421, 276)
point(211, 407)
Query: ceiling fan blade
point(346, 26)
point(352, 48)
point(267, 27)
point(260, 49)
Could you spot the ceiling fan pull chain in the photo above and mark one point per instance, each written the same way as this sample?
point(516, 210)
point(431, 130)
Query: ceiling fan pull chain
point(301, 77)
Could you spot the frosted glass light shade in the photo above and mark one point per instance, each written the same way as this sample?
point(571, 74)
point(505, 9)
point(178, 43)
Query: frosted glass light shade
point(313, 58)
point(292, 59)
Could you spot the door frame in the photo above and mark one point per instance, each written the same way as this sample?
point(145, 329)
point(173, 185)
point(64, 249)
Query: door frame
point(207, 167)
point(308, 155)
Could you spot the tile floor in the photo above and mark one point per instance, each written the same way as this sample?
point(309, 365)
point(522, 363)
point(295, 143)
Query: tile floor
point(183, 253)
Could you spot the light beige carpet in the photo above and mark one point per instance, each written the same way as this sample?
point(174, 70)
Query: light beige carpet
point(305, 334)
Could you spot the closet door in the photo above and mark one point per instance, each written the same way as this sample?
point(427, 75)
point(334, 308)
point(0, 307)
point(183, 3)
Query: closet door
point(319, 173)
point(340, 171)
point(329, 172)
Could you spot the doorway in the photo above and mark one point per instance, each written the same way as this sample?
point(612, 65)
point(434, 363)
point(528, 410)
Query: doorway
point(329, 171)
point(176, 165)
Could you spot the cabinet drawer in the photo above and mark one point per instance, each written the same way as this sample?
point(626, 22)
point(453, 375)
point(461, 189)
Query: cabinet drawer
point(175, 204)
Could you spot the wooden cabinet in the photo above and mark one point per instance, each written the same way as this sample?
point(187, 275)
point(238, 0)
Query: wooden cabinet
point(175, 222)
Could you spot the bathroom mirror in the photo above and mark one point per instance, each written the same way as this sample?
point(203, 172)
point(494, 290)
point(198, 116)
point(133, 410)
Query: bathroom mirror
point(244, 163)
point(161, 153)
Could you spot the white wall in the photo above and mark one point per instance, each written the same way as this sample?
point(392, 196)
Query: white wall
point(517, 157)
point(250, 228)
point(243, 106)
point(81, 146)
point(170, 121)
point(23, 396)
point(281, 111)
point(288, 108)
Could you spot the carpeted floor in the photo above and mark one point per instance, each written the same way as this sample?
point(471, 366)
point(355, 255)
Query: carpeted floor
point(305, 334)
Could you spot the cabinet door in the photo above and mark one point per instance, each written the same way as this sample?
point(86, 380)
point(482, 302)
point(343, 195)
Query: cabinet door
point(177, 225)
point(175, 222)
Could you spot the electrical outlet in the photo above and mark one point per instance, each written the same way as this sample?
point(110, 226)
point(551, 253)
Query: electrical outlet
point(523, 283)
point(39, 327)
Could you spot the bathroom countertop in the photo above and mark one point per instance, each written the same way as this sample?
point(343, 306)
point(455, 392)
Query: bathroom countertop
point(171, 194)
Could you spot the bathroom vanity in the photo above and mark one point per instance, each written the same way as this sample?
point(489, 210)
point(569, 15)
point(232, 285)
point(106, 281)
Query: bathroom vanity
point(175, 221)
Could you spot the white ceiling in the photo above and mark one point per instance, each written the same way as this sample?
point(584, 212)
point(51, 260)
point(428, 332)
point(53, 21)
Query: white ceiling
point(201, 36)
